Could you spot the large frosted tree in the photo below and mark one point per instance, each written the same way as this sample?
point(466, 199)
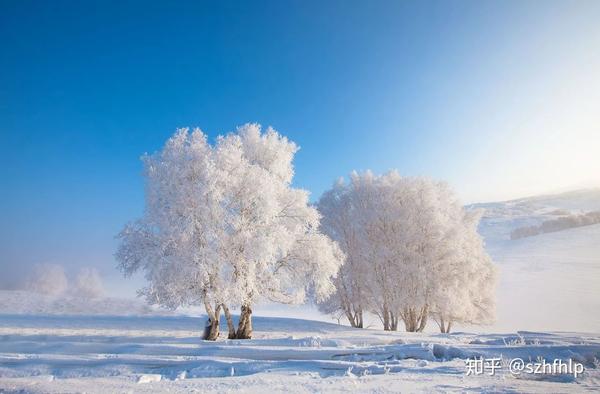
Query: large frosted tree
point(413, 252)
point(224, 228)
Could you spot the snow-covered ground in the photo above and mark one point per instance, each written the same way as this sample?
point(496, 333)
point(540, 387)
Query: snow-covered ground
point(47, 353)
point(550, 281)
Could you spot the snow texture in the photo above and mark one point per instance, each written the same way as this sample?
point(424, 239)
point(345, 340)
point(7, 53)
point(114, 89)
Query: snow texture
point(158, 353)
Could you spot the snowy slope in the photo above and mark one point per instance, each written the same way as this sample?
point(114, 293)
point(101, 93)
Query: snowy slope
point(164, 353)
point(548, 281)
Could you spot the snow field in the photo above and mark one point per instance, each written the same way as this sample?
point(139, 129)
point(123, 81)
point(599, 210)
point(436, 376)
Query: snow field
point(156, 353)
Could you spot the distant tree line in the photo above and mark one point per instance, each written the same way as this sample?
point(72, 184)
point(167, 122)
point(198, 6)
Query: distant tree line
point(558, 224)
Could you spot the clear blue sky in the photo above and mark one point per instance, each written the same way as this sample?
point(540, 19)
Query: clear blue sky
point(487, 95)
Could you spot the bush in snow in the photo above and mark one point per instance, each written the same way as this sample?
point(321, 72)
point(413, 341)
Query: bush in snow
point(223, 227)
point(88, 283)
point(411, 252)
point(49, 279)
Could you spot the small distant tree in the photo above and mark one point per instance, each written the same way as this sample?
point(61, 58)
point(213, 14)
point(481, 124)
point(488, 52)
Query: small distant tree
point(224, 228)
point(49, 279)
point(88, 283)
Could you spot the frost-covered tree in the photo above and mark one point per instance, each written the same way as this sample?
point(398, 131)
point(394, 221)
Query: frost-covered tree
point(412, 252)
point(49, 279)
point(88, 283)
point(223, 227)
point(468, 294)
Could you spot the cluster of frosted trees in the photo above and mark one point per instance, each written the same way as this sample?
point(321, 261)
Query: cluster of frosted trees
point(223, 228)
point(412, 253)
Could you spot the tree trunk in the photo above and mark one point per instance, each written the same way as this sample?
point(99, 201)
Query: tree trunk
point(358, 319)
point(409, 319)
point(423, 318)
point(386, 318)
point(445, 327)
point(394, 322)
point(244, 330)
point(212, 332)
point(414, 320)
point(230, 326)
point(351, 318)
point(355, 319)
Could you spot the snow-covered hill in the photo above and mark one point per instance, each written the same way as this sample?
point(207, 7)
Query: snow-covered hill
point(501, 218)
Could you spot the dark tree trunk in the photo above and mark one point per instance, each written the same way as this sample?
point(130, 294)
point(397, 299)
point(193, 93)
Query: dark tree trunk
point(244, 330)
point(211, 331)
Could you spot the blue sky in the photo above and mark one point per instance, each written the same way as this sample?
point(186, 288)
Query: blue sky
point(499, 98)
